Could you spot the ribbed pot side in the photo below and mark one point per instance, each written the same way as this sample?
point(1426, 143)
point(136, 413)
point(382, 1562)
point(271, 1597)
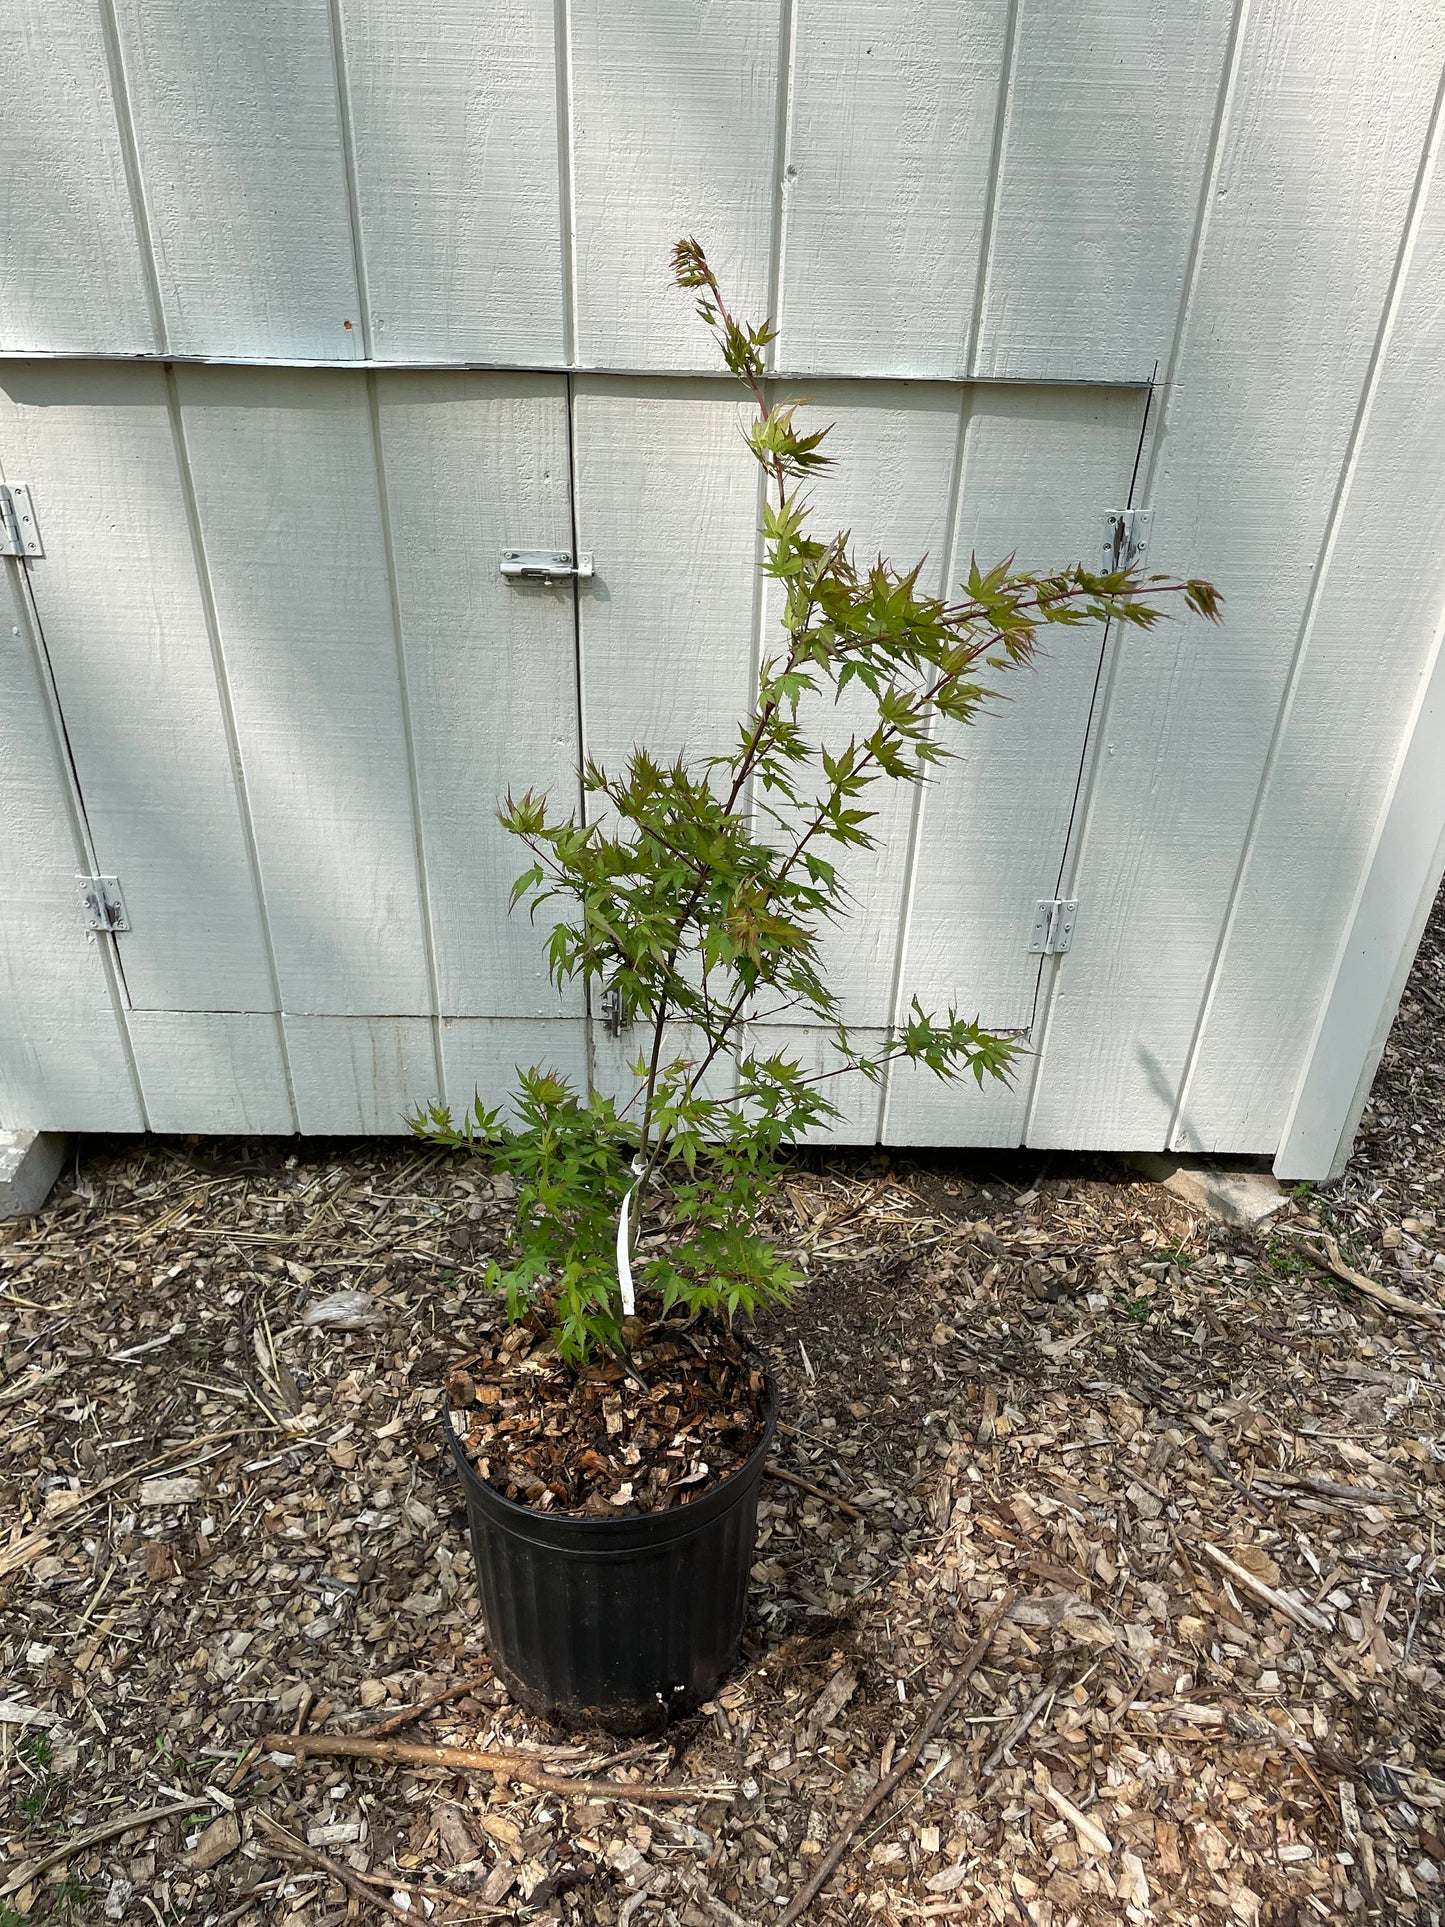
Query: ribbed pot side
point(619, 1623)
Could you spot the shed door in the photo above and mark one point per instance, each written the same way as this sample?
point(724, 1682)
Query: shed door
point(294, 685)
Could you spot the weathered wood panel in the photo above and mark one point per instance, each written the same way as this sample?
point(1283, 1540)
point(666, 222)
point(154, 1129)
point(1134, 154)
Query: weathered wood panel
point(458, 198)
point(1041, 469)
point(64, 1063)
point(924, 1109)
point(1321, 153)
point(239, 150)
point(1365, 643)
point(286, 485)
point(475, 464)
point(887, 180)
point(674, 114)
point(140, 683)
point(72, 278)
point(212, 1071)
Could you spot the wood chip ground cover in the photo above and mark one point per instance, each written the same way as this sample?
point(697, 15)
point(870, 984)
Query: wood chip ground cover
point(1209, 1471)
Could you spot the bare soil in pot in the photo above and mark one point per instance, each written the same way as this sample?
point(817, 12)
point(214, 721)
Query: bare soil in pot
point(616, 1437)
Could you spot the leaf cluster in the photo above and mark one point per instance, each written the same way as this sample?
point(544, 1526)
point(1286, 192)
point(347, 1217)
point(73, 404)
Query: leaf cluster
point(698, 891)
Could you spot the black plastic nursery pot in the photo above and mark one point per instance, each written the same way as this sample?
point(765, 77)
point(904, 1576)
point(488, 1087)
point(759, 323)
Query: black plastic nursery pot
point(620, 1623)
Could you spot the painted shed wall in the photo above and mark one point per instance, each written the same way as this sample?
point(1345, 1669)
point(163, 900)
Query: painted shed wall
point(267, 673)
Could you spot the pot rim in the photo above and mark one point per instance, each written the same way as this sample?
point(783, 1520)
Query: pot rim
point(675, 1522)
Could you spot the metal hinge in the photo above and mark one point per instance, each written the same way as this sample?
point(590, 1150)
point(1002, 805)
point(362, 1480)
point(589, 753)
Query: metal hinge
point(1126, 538)
point(1053, 927)
point(545, 565)
point(104, 904)
point(612, 1017)
point(18, 533)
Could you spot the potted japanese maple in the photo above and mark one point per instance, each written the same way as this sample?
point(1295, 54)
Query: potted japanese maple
point(612, 1426)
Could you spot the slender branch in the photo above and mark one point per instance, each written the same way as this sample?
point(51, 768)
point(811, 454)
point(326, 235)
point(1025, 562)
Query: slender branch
point(905, 1764)
point(505, 1766)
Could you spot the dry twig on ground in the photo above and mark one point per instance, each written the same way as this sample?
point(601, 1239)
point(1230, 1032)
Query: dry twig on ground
point(906, 1762)
point(506, 1766)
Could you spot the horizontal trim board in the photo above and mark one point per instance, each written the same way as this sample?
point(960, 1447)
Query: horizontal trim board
point(960, 379)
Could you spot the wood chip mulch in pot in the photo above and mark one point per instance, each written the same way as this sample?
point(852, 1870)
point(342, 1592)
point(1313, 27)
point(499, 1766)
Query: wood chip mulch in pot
point(613, 1437)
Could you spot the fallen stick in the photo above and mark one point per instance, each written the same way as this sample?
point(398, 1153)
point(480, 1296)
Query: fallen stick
point(1021, 1725)
point(860, 1815)
point(1332, 1489)
point(506, 1766)
point(774, 1471)
point(92, 1837)
point(1090, 1833)
point(294, 1849)
point(1302, 1615)
point(410, 1713)
point(1330, 1260)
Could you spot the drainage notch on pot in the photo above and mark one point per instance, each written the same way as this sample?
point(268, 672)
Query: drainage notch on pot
point(619, 1623)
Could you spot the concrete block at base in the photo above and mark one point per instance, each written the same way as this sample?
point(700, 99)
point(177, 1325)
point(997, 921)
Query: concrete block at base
point(1243, 1198)
point(30, 1163)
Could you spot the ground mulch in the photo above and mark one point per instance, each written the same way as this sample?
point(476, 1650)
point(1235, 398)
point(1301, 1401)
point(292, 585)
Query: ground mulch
point(1206, 1467)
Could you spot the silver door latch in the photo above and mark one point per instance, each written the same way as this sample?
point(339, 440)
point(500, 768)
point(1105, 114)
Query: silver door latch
point(545, 565)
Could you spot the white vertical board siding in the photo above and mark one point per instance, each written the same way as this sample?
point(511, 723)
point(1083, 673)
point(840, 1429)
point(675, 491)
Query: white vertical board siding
point(125, 624)
point(856, 1099)
point(1364, 648)
point(924, 1109)
point(360, 1075)
point(674, 110)
point(1386, 921)
point(667, 501)
point(895, 445)
point(1325, 130)
point(1042, 467)
point(475, 464)
point(455, 138)
point(211, 1070)
point(285, 476)
point(614, 1060)
point(886, 189)
point(1107, 132)
point(504, 184)
point(71, 265)
point(239, 147)
point(63, 1057)
point(481, 1057)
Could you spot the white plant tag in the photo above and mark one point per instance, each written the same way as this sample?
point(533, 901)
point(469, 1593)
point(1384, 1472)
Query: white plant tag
point(624, 1243)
